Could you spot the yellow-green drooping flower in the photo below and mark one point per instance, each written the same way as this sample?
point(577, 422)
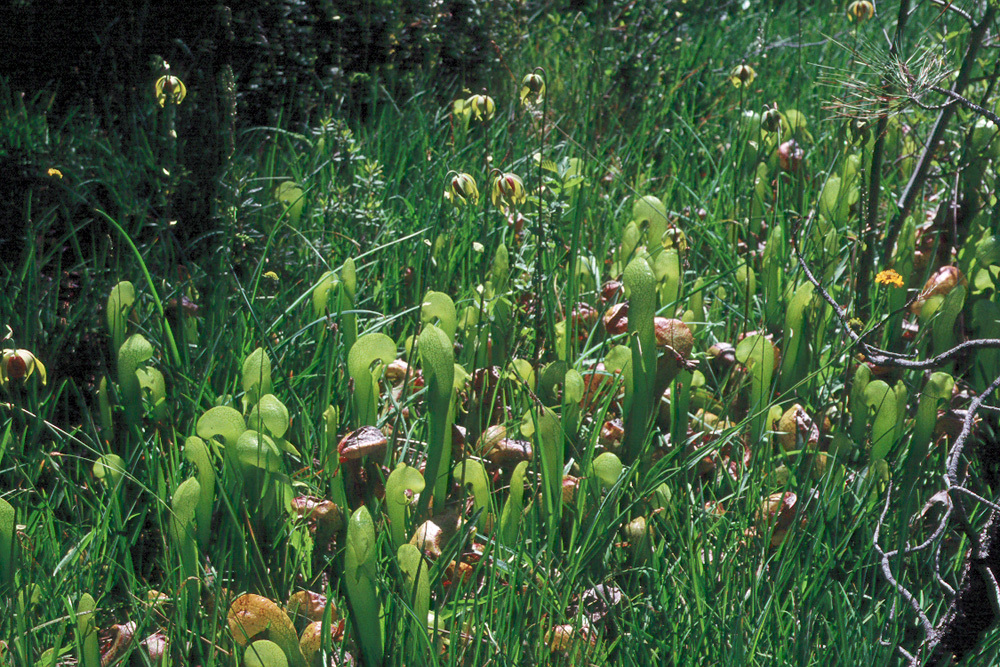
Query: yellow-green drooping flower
point(170, 89)
point(742, 75)
point(770, 120)
point(508, 190)
point(462, 189)
point(532, 88)
point(483, 107)
point(859, 130)
point(861, 10)
point(19, 365)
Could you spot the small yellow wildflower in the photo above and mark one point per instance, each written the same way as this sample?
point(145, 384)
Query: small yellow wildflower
point(54, 172)
point(889, 277)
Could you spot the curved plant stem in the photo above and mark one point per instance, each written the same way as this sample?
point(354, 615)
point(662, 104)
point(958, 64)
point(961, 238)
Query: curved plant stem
point(540, 246)
point(176, 357)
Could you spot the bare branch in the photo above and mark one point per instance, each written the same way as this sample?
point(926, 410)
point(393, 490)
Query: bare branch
point(963, 436)
point(975, 496)
point(949, 5)
point(937, 574)
point(887, 572)
point(971, 106)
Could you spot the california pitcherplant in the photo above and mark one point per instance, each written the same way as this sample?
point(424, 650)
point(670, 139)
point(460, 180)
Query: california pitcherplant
point(537, 374)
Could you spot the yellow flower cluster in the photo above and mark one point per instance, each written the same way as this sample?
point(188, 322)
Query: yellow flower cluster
point(889, 277)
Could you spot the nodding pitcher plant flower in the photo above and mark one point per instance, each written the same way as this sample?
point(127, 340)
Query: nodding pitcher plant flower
point(19, 365)
point(742, 75)
point(461, 190)
point(770, 120)
point(483, 107)
point(508, 190)
point(860, 10)
point(170, 89)
point(533, 87)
